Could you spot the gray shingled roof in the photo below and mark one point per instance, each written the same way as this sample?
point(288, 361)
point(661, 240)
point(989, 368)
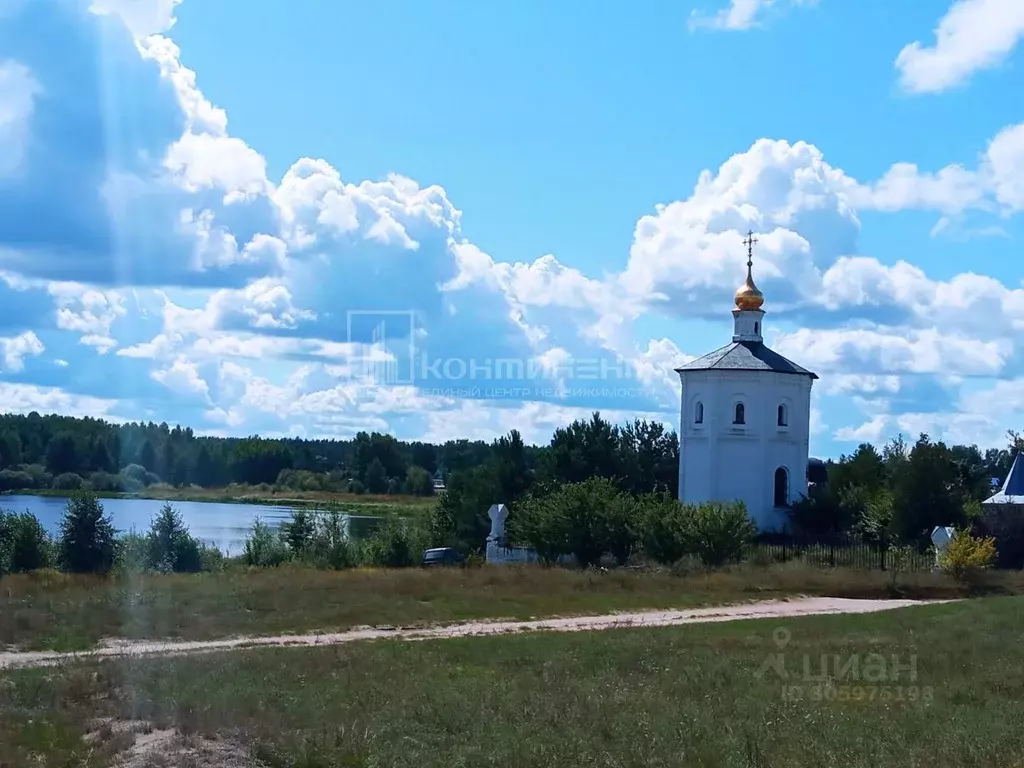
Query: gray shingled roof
point(745, 356)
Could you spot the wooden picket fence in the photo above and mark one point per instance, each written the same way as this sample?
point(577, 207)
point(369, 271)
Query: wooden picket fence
point(836, 555)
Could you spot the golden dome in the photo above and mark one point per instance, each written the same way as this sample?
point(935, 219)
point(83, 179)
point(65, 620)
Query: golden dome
point(747, 295)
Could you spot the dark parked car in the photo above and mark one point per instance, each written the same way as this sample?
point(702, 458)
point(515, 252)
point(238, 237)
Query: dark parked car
point(442, 556)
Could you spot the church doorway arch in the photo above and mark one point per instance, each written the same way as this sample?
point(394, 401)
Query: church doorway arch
point(781, 487)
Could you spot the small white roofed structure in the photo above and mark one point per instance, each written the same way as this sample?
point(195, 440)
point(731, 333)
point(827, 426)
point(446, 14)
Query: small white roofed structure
point(941, 536)
point(1012, 491)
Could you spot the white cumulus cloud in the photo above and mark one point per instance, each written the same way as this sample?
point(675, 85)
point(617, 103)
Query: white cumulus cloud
point(738, 15)
point(14, 350)
point(974, 35)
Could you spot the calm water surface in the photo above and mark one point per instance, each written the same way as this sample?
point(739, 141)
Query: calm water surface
point(222, 525)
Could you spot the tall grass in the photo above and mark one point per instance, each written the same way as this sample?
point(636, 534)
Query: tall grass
point(52, 610)
point(692, 696)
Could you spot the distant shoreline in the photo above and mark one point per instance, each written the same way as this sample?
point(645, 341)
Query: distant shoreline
point(241, 495)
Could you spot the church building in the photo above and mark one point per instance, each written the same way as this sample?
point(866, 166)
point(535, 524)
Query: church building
point(745, 419)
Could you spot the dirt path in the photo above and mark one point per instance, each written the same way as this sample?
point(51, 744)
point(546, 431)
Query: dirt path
point(776, 609)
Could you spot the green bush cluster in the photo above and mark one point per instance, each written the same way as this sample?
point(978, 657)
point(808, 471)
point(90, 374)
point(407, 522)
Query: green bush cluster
point(35, 477)
point(24, 545)
point(592, 519)
point(321, 540)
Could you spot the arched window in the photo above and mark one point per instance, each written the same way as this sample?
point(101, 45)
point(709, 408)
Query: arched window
point(698, 414)
point(781, 488)
point(757, 327)
point(740, 417)
point(783, 416)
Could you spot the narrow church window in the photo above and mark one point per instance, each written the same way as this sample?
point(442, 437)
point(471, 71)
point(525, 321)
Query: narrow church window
point(698, 414)
point(741, 414)
point(783, 421)
point(757, 327)
point(781, 488)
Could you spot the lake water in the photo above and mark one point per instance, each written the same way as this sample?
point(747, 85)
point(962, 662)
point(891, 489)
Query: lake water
point(222, 525)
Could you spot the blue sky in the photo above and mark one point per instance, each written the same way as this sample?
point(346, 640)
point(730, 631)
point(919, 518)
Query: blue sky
point(540, 208)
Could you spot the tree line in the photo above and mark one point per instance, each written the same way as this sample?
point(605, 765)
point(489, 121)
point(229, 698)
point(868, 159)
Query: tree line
point(895, 494)
point(900, 493)
point(67, 453)
point(586, 524)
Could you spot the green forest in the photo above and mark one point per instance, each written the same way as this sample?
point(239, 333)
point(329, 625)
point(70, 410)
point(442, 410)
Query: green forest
point(66, 453)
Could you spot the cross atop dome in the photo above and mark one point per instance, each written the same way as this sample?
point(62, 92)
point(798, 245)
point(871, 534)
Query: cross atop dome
point(750, 241)
point(748, 296)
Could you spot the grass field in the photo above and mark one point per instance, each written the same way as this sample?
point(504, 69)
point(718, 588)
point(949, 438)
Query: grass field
point(653, 697)
point(54, 611)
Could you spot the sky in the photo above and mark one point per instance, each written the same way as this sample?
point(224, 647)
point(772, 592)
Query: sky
point(449, 219)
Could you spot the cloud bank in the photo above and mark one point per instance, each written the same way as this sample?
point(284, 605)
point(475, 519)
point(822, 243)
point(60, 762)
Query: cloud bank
point(153, 270)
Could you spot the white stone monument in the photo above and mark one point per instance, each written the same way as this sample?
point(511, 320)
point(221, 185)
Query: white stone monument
point(498, 550)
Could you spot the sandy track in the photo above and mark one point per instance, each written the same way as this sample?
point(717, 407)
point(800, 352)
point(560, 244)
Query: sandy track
point(777, 609)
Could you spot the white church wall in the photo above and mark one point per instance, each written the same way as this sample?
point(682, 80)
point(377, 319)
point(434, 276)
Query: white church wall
point(723, 461)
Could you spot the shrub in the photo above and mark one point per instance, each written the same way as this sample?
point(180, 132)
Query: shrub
point(539, 521)
point(104, 482)
point(263, 547)
point(69, 481)
point(133, 478)
point(355, 486)
point(24, 545)
point(623, 519)
point(967, 556)
point(170, 548)
point(897, 562)
point(40, 477)
point(665, 533)
point(132, 553)
point(300, 480)
point(298, 532)
point(213, 559)
point(396, 544)
point(329, 545)
point(15, 480)
point(86, 543)
point(586, 519)
point(874, 523)
point(718, 533)
point(441, 526)
point(418, 481)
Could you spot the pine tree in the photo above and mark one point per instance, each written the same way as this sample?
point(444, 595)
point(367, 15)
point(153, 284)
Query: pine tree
point(86, 536)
